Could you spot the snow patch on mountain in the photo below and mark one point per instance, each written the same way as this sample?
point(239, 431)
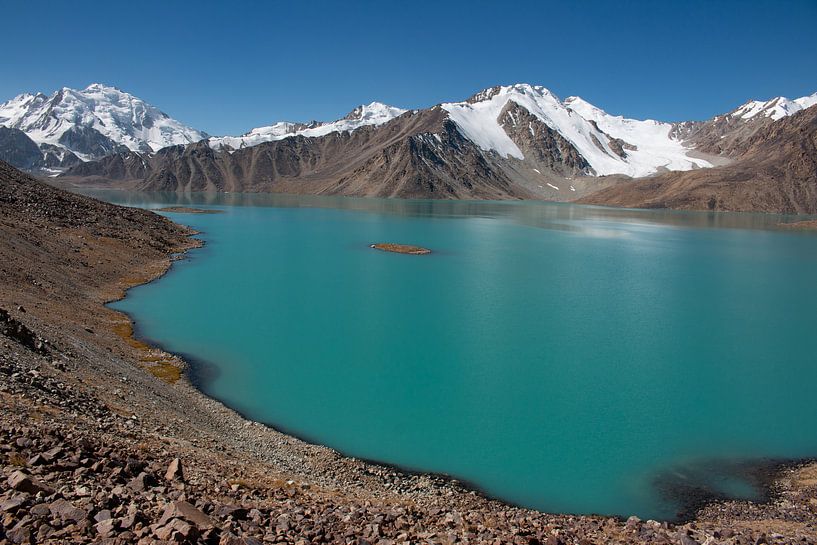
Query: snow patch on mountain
point(588, 128)
point(116, 115)
point(479, 122)
point(374, 114)
point(776, 108)
point(650, 144)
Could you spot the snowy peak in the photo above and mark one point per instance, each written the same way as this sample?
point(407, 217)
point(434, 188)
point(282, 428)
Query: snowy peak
point(518, 88)
point(609, 144)
point(94, 121)
point(776, 108)
point(373, 114)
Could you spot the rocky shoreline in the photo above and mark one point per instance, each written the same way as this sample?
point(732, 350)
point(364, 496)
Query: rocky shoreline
point(94, 449)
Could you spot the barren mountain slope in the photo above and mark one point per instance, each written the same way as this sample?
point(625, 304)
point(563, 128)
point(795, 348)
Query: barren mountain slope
point(419, 154)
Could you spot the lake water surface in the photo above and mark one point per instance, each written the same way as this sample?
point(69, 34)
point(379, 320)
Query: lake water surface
point(566, 358)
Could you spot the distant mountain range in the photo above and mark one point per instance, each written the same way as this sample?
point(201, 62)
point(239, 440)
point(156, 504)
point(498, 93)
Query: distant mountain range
point(92, 123)
point(518, 141)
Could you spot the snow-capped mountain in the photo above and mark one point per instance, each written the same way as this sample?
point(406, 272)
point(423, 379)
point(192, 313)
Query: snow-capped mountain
point(374, 114)
point(609, 144)
point(94, 122)
point(504, 142)
point(776, 108)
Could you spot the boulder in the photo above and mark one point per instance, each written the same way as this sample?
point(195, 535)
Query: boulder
point(13, 503)
point(141, 482)
point(105, 514)
point(19, 535)
point(174, 471)
point(40, 510)
point(107, 527)
point(66, 511)
point(235, 511)
point(23, 482)
point(52, 454)
point(186, 511)
point(177, 530)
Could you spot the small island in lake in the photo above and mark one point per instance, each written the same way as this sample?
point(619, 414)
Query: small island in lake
point(187, 210)
point(400, 248)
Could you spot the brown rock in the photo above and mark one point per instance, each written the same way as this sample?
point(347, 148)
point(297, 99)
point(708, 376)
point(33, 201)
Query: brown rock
point(186, 511)
point(19, 535)
point(66, 511)
point(13, 503)
point(36, 460)
point(107, 527)
point(141, 482)
point(25, 483)
point(52, 454)
point(178, 530)
point(39, 510)
point(131, 519)
point(174, 470)
point(235, 511)
point(230, 539)
point(105, 514)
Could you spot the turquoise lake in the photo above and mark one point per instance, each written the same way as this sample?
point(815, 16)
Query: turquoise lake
point(565, 358)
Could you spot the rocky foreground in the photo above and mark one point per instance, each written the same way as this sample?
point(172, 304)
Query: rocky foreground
point(101, 442)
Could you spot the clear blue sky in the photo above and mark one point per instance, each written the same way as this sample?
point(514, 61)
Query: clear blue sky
point(227, 67)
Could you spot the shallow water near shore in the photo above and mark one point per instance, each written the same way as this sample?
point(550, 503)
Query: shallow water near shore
point(565, 358)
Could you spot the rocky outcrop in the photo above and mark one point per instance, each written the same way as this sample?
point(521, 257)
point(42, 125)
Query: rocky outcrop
point(118, 166)
point(19, 150)
point(89, 141)
point(724, 135)
point(57, 158)
point(16, 330)
point(544, 147)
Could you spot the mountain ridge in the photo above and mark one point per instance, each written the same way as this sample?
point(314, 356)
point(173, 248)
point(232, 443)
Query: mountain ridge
point(514, 141)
